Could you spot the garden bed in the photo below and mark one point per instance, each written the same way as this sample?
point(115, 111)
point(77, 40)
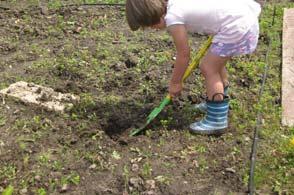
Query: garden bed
point(120, 77)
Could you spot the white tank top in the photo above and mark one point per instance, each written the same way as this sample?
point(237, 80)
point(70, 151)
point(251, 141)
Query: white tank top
point(227, 20)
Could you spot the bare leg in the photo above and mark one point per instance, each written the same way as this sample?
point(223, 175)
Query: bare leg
point(224, 75)
point(212, 68)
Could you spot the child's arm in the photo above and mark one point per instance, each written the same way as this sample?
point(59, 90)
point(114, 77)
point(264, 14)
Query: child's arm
point(180, 37)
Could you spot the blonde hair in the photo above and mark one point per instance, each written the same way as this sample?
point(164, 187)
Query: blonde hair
point(144, 13)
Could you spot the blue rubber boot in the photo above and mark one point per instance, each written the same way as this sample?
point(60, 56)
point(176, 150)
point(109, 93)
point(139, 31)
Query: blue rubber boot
point(215, 120)
point(202, 107)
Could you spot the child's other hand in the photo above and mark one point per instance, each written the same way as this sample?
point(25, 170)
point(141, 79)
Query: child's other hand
point(175, 89)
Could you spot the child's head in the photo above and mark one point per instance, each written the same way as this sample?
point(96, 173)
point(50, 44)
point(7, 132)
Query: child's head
point(144, 13)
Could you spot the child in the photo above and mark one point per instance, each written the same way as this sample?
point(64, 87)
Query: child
point(234, 25)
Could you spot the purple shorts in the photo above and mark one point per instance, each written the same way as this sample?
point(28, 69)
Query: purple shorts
point(246, 45)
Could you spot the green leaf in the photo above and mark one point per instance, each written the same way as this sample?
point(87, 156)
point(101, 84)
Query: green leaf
point(116, 155)
point(8, 190)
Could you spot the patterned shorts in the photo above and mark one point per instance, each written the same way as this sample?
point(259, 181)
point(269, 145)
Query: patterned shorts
point(246, 45)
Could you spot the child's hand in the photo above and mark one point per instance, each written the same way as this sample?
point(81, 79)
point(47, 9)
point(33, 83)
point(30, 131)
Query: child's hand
point(175, 89)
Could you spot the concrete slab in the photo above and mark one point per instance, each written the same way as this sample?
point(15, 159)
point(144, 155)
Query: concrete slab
point(288, 69)
point(45, 97)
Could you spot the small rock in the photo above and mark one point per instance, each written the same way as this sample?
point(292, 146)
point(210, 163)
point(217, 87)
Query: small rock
point(136, 160)
point(78, 30)
point(38, 178)
point(231, 170)
point(135, 167)
point(247, 139)
point(64, 188)
point(195, 163)
point(150, 184)
point(23, 191)
point(16, 111)
point(131, 188)
point(93, 166)
point(153, 58)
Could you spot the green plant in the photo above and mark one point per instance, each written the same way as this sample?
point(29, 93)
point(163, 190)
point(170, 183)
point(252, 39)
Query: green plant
point(163, 179)
point(41, 191)
point(147, 169)
point(8, 172)
point(126, 175)
point(8, 191)
point(73, 178)
point(2, 121)
point(44, 158)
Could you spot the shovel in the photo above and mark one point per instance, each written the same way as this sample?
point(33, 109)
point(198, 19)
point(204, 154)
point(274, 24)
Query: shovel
point(167, 99)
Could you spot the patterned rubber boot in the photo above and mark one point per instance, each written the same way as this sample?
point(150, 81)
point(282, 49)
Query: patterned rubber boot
point(215, 120)
point(202, 107)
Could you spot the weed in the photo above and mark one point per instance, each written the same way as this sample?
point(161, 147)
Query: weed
point(44, 158)
point(8, 172)
point(8, 191)
point(73, 178)
point(56, 165)
point(203, 165)
point(54, 4)
point(163, 179)
point(2, 121)
point(200, 149)
point(116, 155)
point(41, 191)
point(161, 141)
point(147, 169)
point(164, 123)
point(168, 165)
point(126, 175)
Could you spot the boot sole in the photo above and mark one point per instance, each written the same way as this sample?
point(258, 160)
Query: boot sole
point(208, 132)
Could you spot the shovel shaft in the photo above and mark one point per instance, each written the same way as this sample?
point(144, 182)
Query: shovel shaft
point(197, 58)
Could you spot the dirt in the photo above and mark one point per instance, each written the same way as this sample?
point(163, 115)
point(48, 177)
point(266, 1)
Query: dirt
point(90, 52)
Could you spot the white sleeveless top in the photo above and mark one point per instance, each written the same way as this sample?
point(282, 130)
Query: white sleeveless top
point(227, 20)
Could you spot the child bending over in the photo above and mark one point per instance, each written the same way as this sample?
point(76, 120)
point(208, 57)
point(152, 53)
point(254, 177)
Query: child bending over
point(235, 29)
